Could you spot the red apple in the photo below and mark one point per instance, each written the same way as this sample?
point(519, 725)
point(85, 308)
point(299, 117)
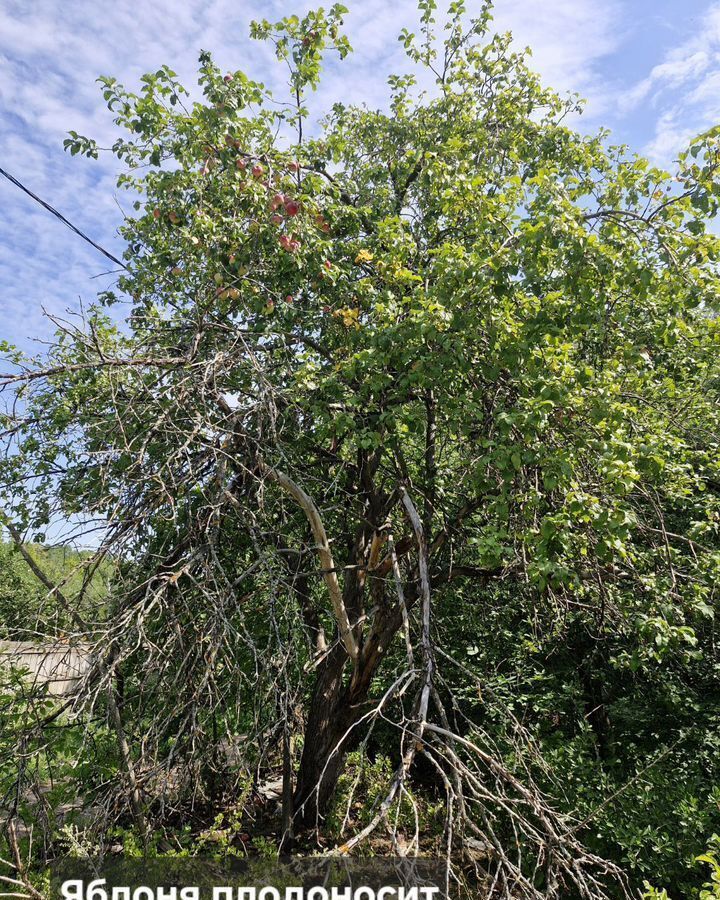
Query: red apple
point(292, 207)
point(321, 223)
point(257, 170)
point(289, 243)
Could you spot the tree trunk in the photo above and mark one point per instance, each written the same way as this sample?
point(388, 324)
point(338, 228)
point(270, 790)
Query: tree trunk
point(334, 708)
point(324, 750)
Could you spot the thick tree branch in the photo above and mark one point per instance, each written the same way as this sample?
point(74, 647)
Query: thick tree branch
point(312, 513)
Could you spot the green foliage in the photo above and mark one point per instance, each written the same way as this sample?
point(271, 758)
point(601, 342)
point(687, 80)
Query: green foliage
point(26, 610)
point(20, 709)
point(364, 785)
point(710, 890)
point(301, 42)
point(633, 751)
point(652, 893)
point(461, 295)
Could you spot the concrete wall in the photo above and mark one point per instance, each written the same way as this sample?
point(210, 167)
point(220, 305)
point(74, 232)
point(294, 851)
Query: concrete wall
point(58, 665)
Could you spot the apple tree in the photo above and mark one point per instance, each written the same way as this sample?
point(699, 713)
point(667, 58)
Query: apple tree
point(450, 348)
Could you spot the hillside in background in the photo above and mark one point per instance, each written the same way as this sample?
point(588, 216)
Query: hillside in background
point(26, 611)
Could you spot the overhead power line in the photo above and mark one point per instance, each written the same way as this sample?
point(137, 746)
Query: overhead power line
point(62, 218)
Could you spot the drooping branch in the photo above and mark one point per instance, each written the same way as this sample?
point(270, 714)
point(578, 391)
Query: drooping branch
point(157, 362)
point(425, 640)
point(101, 668)
point(306, 503)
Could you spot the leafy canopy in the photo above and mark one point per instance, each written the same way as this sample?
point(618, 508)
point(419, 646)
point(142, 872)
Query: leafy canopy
point(460, 296)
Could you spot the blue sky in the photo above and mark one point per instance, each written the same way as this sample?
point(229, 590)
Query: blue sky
point(650, 70)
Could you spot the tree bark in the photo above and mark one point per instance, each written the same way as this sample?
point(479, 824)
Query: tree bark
point(324, 749)
point(335, 707)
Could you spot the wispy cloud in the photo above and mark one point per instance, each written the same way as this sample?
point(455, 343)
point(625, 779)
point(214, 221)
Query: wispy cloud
point(683, 89)
point(51, 52)
point(570, 39)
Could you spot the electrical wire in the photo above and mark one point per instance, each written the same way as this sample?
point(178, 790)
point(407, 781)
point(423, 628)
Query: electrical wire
point(62, 218)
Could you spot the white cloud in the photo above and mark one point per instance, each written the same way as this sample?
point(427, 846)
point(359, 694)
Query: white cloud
point(569, 40)
point(683, 89)
point(51, 52)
